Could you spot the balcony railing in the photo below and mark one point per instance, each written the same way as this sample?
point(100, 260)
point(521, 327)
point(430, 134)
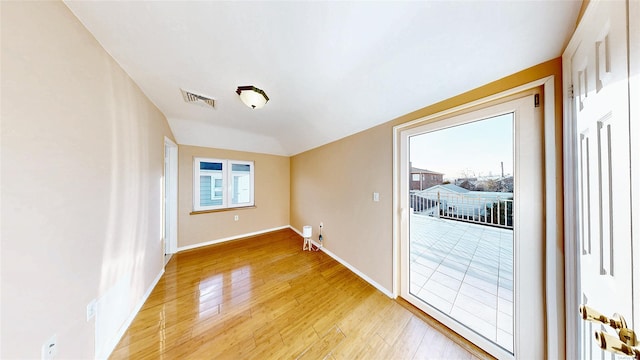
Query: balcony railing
point(491, 211)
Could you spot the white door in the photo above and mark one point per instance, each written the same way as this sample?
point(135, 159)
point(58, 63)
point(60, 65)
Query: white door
point(487, 286)
point(170, 198)
point(166, 229)
point(597, 60)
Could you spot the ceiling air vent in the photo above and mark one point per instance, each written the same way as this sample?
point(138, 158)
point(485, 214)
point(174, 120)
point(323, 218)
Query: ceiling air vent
point(196, 99)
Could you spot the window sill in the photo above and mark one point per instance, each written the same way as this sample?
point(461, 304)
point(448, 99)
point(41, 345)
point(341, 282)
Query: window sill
point(221, 210)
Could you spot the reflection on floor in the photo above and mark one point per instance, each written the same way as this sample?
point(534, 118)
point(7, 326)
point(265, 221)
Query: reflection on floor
point(466, 271)
point(264, 298)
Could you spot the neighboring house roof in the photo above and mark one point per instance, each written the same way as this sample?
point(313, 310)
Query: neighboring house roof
point(453, 188)
point(415, 170)
point(450, 188)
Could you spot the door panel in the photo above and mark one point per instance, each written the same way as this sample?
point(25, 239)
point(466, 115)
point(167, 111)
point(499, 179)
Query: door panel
point(598, 63)
point(170, 199)
point(527, 244)
point(461, 229)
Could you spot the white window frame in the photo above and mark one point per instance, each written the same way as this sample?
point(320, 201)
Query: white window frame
point(214, 187)
point(227, 181)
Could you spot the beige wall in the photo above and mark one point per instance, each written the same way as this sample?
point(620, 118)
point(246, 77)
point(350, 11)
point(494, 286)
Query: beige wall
point(271, 198)
point(334, 183)
point(82, 160)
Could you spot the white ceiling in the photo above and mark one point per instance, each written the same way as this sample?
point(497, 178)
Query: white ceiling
point(330, 69)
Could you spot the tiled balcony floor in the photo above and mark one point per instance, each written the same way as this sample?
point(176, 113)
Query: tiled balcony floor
point(466, 271)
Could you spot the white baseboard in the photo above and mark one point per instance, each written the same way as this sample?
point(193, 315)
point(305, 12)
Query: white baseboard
point(217, 241)
point(350, 267)
point(111, 345)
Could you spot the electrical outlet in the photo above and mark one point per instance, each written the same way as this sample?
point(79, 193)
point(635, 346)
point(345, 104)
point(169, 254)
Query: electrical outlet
point(376, 196)
point(91, 309)
point(50, 348)
point(236, 218)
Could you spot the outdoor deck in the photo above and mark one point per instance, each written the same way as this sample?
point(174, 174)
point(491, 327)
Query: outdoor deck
point(466, 271)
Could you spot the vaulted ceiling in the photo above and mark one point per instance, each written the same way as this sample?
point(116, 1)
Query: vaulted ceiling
point(330, 69)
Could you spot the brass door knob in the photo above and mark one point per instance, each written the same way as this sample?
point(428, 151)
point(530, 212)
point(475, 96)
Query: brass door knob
point(613, 344)
point(589, 314)
point(625, 344)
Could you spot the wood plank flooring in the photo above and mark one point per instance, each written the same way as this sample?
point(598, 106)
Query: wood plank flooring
point(264, 298)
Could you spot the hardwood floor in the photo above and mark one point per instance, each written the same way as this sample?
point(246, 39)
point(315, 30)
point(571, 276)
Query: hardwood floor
point(264, 298)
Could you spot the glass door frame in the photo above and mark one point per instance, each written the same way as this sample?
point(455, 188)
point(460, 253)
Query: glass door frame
point(552, 308)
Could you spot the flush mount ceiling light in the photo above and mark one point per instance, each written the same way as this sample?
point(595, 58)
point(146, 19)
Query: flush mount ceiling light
point(252, 96)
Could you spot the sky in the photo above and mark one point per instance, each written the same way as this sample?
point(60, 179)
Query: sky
point(475, 148)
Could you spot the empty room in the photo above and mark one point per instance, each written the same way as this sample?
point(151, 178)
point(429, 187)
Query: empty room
point(319, 179)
